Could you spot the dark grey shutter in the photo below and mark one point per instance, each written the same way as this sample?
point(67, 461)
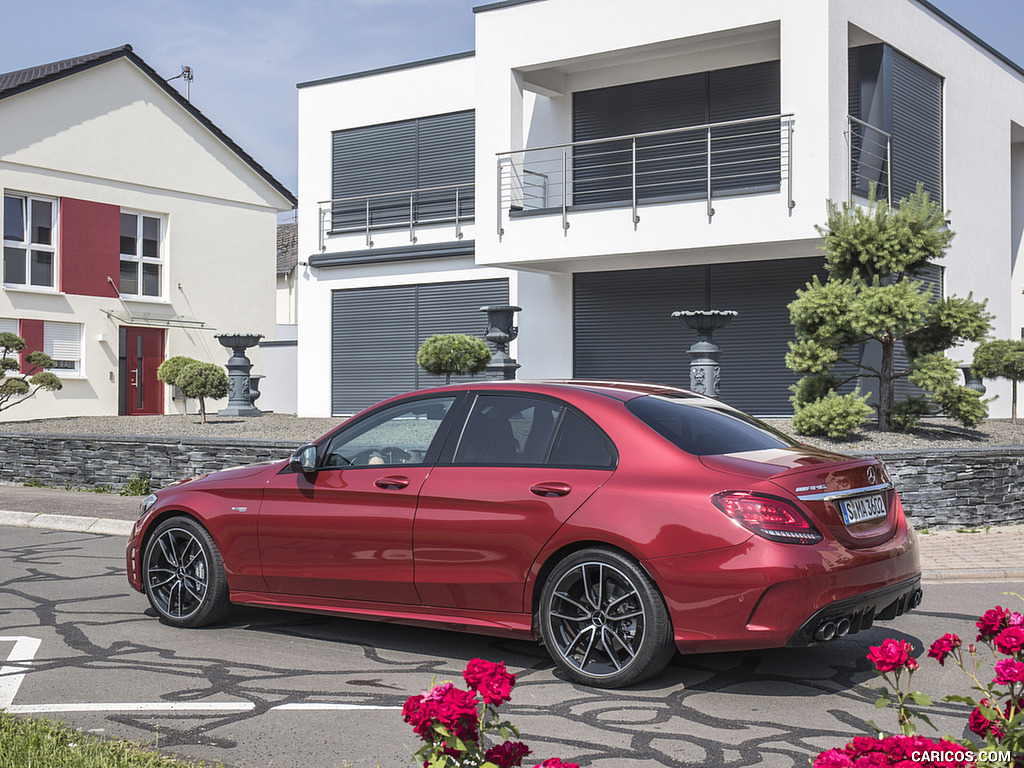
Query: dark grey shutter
point(916, 129)
point(675, 166)
point(868, 101)
point(745, 157)
point(398, 157)
point(373, 353)
point(376, 333)
point(455, 308)
point(446, 157)
point(623, 327)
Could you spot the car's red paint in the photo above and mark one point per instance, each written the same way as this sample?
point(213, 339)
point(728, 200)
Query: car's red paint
point(469, 547)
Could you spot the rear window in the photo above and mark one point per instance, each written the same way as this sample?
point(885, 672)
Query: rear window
point(705, 429)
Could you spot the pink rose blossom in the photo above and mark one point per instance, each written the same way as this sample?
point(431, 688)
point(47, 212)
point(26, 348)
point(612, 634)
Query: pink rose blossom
point(944, 646)
point(1009, 672)
point(554, 762)
point(1010, 640)
point(891, 655)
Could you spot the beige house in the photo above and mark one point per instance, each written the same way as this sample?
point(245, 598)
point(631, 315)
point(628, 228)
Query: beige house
point(134, 230)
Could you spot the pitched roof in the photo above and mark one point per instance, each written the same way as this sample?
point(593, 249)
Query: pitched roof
point(287, 246)
point(32, 77)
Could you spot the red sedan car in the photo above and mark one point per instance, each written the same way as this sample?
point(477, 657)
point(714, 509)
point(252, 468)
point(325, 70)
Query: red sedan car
point(617, 522)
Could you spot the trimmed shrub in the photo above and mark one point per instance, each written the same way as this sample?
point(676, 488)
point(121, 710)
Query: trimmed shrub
point(836, 416)
point(449, 353)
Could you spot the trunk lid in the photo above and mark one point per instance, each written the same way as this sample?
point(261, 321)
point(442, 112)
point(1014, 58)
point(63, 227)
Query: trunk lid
point(849, 499)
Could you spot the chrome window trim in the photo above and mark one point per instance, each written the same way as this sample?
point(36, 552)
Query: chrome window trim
point(833, 495)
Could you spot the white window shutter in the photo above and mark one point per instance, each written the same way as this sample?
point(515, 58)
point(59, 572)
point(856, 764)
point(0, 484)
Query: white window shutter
point(63, 341)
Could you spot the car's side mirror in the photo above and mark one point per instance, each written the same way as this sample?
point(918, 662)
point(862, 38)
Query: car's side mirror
point(304, 459)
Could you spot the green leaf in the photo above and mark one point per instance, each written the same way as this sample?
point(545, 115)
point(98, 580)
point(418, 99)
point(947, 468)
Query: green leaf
point(920, 699)
point(882, 703)
point(961, 699)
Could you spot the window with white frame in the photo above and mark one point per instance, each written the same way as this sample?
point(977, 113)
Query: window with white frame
point(141, 255)
point(30, 242)
point(63, 342)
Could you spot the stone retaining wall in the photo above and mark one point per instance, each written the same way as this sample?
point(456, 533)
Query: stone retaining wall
point(91, 461)
point(959, 488)
point(967, 487)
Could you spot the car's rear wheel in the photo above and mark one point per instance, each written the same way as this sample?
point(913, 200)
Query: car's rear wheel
point(183, 574)
point(603, 620)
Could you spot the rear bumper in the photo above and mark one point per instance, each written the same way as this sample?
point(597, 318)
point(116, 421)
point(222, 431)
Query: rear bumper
point(763, 594)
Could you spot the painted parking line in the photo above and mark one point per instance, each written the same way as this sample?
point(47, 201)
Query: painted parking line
point(12, 673)
point(19, 661)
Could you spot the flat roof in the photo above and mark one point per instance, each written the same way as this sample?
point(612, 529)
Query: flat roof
point(385, 70)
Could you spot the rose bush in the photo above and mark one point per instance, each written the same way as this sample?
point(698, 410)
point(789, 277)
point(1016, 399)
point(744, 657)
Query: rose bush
point(454, 722)
point(997, 717)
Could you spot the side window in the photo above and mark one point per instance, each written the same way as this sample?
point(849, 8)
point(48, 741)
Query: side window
point(503, 430)
point(578, 445)
point(401, 434)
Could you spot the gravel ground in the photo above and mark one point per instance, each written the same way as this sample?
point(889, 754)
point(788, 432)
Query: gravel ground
point(932, 434)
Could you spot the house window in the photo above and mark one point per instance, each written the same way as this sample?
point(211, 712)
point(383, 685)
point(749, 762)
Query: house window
point(63, 342)
point(9, 325)
point(30, 243)
point(141, 255)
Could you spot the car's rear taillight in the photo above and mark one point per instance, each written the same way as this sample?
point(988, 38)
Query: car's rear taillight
point(767, 516)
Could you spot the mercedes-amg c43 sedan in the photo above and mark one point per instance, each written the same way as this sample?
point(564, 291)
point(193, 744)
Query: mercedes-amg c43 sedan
point(616, 522)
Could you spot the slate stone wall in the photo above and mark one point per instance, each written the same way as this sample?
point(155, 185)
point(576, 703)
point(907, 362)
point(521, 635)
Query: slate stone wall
point(91, 461)
point(962, 488)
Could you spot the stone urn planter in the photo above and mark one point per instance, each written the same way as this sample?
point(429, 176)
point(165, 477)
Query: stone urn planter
point(240, 399)
point(705, 371)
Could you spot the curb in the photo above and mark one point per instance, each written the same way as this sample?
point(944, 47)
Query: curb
point(972, 574)
point(100, 525)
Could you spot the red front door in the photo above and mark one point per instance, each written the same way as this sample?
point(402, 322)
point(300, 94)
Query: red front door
point(143, 352)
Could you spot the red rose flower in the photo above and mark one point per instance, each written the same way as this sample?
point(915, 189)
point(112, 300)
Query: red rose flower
point(507, 755)
point(944, 646)
point(992, 622)
point(1009, 672)
point(980, 724)
point(1010, 640)
point(491, 680)
point(554, 762)
point(455, 709)
point(1015, 620)
point(890, 655)
point(834, 758)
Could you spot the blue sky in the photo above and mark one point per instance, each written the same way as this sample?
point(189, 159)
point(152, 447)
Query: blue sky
point(248, 56)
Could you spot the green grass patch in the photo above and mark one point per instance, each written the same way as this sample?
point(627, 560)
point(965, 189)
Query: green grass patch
point(27, 743)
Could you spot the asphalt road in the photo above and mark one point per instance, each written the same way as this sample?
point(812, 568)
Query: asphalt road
point(268, 688)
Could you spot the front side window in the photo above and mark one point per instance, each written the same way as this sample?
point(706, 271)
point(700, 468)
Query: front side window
point(30, 244)
point(141, 255)
point(63, 342)
point(400, 434)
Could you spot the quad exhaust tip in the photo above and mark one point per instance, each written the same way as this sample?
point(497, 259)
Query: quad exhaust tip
point(827, 631)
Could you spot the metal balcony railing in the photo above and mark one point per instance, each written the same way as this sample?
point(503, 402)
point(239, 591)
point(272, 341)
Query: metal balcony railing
point(407, 209)
point(697, 162)
point(870, 159)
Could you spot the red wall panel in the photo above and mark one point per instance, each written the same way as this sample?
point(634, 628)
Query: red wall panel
point(32, 333)
point(90, 247)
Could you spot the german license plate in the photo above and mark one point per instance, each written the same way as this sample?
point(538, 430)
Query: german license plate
point(864, 508)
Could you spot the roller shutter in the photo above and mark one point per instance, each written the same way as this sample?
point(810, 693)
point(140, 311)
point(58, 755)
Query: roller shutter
point(623, 328)
point(376, 332)
point(916, 128)
point(398, 157)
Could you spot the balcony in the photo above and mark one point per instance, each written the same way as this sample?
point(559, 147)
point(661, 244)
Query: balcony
point(389, 220)
point(696, 163)
point(869, 159)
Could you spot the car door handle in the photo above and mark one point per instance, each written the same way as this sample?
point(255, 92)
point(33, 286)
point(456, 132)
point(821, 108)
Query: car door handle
point(391, 482)
point(551, 489)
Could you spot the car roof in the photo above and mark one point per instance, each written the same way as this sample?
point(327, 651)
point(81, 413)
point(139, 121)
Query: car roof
point(619, 390)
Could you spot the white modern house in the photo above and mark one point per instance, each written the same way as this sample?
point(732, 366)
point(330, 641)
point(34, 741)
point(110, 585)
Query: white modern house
point(602, 165)
point(134, 230)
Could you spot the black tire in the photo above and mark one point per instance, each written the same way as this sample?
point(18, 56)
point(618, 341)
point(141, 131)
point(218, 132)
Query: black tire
point(603, 620)
point(183, 574)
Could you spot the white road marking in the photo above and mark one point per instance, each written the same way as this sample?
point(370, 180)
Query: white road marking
point(13, 673)
point(150, 706)
point(314, 706)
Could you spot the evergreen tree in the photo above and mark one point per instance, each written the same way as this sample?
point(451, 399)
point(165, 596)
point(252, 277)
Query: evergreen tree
point(873, 257)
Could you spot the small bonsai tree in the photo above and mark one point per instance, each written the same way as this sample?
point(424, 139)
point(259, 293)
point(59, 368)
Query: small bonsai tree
point(450, 353)
point(203, 380)
point(1001, 359)
point(16, 386)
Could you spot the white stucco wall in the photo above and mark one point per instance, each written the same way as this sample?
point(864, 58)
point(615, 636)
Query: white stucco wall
point(110, 135)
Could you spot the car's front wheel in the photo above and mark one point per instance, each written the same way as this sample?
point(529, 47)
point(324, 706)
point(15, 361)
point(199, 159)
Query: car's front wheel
point(604, 621)
point(183, 574)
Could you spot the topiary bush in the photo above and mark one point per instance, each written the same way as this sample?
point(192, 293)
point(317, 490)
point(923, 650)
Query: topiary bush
point(1001, 359)
point(203, 380)
point(449, 353)
point(834, 415)
point(15, 386)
